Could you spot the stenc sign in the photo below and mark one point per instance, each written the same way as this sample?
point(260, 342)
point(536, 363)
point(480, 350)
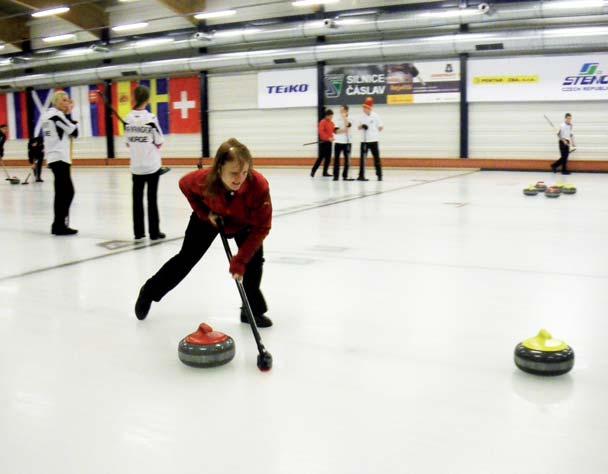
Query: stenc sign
point(287, 88)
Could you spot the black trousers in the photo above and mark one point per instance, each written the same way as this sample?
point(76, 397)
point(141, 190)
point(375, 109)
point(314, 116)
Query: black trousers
point(373, 147)
point(197, 240)
point(341, 148)
point(564, 151)
point(324, 156)
point(64, 193)
point(38, 167)
point(139, 181)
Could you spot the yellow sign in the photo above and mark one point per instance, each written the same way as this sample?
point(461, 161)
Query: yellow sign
point(400, 99)
point(502, 80)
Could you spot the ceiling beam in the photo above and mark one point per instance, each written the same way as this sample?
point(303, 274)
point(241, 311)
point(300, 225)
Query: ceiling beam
point(90, 17)
point(14, 31)
point(186, 8)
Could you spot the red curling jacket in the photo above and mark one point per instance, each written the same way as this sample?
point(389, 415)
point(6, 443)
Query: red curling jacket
point(326, 130)
point(250, 207)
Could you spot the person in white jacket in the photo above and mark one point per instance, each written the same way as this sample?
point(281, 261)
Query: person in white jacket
point(371, 126)
point(144, 139)
point(342, 144)
point(58, 129)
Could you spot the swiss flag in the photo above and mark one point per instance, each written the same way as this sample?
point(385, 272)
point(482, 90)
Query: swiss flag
point(185, 104)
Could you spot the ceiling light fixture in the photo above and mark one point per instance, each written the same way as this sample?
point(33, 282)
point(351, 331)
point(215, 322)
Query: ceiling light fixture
point(130, 26)
point(59, 38)
point(218, 14)
point(50, 12)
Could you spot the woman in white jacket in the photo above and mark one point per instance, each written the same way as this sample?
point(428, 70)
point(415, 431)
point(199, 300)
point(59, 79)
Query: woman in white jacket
point(58, 129)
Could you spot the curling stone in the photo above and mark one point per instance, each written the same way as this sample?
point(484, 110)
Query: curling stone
point(206, 348)
point(543, 355)
point(540, 185)
point(553, 192)
point(531, 190)
point(569, 189)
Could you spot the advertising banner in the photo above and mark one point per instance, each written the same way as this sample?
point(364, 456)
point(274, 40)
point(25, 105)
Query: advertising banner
point(531, 78)
point(394, 84)
point(287, 88)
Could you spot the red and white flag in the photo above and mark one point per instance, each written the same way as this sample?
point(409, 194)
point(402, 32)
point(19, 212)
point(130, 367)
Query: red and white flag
point(185, 105)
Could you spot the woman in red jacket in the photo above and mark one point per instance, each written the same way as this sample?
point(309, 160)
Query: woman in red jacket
point(232, 190)
point(326, 137)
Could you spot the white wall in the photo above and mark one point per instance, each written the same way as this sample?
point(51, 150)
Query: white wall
point(418, 131)
point(89, 147)
point(422, 130)
point(519, 130)
point(15, 150)
point(233, 112)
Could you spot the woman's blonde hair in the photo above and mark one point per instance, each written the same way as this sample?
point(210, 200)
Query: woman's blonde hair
point(229, 151)
point(57, 96)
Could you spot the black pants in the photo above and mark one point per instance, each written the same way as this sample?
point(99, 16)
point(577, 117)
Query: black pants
point(139, 181)
point(38, 168)
point(64, 193)
point(324, 156)
point(373, 147)
point(341, 148)
point(197, 240)
point(564, 151)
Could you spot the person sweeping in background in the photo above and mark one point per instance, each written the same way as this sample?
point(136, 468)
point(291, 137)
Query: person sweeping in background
point(144, 139)
point(232, 190)
point(566, 145)
point(35, 155)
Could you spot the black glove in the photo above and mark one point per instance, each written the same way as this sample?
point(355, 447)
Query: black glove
point(364, 127)
point(349, 124)
point(336, 129)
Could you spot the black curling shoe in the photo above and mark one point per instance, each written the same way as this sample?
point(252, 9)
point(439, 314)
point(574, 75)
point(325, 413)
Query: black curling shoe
point(142, 305)
point(261, 321)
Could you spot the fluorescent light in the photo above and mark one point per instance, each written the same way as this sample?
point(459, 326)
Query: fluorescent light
point(45, 51)
point(218, 14)
point(130, 26)
point(51, 11)
point(2, 46)
point(59, 38)
point(312, 3)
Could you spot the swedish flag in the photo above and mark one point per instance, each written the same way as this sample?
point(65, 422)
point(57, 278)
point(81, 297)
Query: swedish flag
point(159, 100)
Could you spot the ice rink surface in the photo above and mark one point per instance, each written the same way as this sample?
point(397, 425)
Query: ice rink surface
point(397, 306)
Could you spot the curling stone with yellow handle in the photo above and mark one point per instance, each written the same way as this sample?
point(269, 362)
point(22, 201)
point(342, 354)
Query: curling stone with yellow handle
point(543, 355)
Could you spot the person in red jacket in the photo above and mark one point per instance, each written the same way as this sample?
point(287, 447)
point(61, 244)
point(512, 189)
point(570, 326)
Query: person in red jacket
point(326, 137)
point(233, 190)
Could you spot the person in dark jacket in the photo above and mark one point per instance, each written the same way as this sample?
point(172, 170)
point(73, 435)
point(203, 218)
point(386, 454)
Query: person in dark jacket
point(232, 190)
point(35, 154)
point(3, 138)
